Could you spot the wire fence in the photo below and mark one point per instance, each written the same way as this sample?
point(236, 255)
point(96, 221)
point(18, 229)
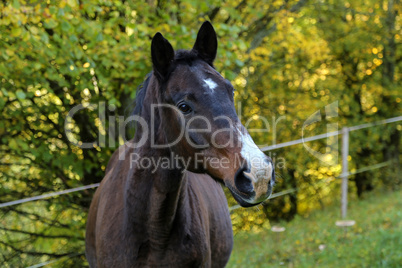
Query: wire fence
point(264, 149)
point(70, 256)
point(48, 195)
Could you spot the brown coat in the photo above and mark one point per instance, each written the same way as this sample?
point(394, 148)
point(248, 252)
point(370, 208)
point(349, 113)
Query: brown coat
point(150, 232)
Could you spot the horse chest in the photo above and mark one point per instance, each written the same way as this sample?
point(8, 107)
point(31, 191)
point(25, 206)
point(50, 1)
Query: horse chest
point(203, 228)
point(201, 236)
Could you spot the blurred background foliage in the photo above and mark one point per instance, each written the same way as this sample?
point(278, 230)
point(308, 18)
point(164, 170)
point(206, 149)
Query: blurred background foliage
point(286, 59)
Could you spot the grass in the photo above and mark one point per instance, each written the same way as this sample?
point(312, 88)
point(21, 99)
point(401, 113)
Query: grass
point(374, 241)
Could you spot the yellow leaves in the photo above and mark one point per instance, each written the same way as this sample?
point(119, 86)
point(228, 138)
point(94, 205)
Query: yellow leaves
point(62, 4)
point(255, 57)
point(72, 3)
point(10, 52)
point(164, 28)
point(108, 30)
point(86, 65)
point(360, 17)
point(240, 81)
point(34, 30)
point(35, 19)
point(16, 31)
point(377, 19)
point(385, 5)
point(129, 31)
point(46, 13)
point(261, 51)
point(86, 93)
point(377, 62)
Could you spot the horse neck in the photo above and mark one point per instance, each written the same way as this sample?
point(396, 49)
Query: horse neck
point(159, 188)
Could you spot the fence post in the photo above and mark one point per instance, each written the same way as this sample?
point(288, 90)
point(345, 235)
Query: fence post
point(345, 173)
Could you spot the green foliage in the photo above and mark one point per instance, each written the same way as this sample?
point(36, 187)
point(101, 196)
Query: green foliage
point(40, 231)
point(286, 59)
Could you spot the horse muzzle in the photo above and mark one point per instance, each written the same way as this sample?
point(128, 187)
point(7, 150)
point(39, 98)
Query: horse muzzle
point(253, 183)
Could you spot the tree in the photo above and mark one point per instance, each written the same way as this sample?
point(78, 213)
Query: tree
point(287, 60)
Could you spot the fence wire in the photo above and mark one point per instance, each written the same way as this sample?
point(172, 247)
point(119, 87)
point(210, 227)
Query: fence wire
point(264, 149)
point(48, 195)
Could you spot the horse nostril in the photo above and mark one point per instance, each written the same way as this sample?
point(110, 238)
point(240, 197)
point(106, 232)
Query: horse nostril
point(243, 183)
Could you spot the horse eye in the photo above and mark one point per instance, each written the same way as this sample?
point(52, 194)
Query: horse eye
point(184, 108)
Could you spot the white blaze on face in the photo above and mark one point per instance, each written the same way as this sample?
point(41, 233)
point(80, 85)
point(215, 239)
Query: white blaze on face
point(256, 159)
point(209, 83)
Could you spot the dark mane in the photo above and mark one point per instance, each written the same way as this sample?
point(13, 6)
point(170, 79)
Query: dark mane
point(181, 57)
point(140, 95)
point(185, 57)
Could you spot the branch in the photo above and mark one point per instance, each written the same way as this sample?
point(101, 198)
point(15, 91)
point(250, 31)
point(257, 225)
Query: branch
point(40, 234)
point(35, 253)
point(213, 13)
point(40, 218)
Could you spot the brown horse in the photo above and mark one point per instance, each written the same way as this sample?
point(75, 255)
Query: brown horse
point(161, 202)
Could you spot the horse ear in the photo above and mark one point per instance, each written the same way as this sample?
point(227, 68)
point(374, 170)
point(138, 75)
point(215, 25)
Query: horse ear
point(162, 55)
point(206, 44)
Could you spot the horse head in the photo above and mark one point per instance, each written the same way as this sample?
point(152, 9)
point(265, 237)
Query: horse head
point(198, 121)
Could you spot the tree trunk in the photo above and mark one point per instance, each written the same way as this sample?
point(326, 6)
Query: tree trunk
point(391, 147)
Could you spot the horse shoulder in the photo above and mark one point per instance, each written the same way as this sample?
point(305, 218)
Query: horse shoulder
point(90, 235)
point(211, 203)
point(105, 214)
point(117, 155)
